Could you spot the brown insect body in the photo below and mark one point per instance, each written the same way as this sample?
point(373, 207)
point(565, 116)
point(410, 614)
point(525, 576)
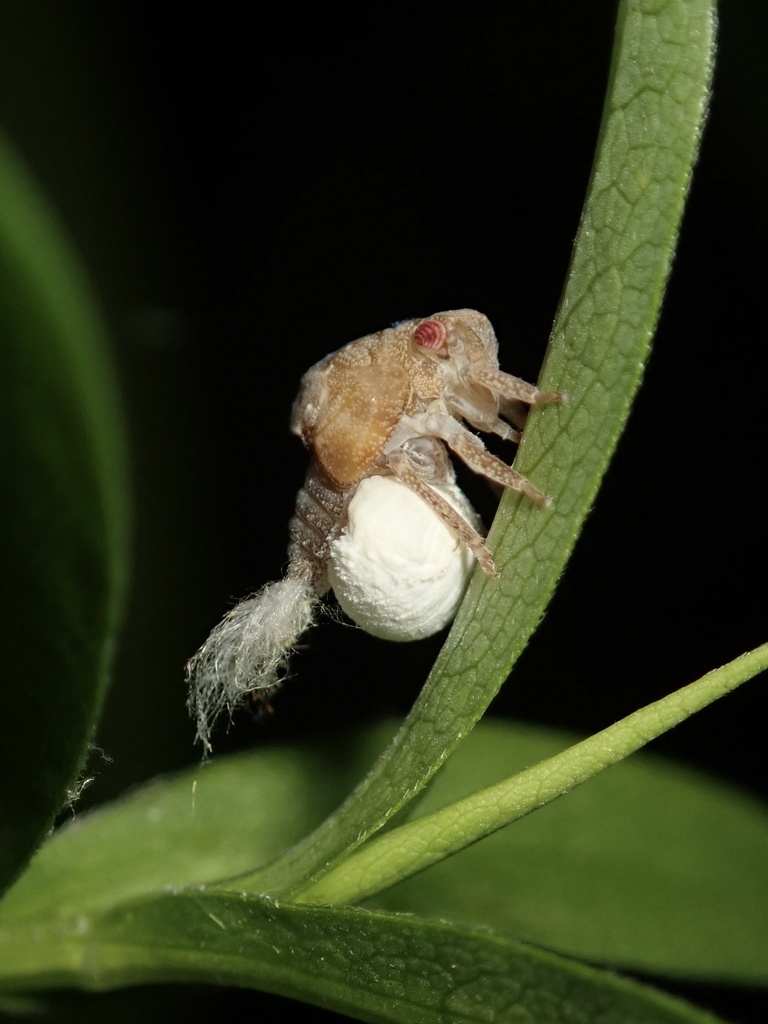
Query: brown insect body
point(393, 403)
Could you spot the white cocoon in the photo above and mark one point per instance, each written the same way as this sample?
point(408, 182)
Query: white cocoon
point(397, 570)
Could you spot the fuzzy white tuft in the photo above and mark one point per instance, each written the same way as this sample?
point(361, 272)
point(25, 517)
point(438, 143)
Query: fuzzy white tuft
point(248, 650)
point(397, 570)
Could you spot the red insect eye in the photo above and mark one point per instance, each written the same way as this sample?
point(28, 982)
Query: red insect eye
point(430, 334)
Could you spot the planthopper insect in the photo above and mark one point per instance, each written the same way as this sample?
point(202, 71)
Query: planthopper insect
point(380, 519)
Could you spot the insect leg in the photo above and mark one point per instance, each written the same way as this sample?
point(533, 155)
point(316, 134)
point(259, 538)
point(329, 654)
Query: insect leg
point(471, 450)
point(507, 386)
point(403, 468)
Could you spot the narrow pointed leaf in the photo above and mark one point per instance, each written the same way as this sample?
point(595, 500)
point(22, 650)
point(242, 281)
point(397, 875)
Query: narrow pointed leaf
point(371, 966)
point(652, 122)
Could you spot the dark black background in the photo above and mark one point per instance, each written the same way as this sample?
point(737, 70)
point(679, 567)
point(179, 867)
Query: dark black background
point(252, 190)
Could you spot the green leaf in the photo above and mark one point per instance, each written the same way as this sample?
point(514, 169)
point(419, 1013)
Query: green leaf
point(212, 822)
point(650, 866)
point(63, 529)
point(373, 966)
point(652, 121)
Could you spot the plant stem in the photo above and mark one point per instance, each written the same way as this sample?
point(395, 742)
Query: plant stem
point(416, 845)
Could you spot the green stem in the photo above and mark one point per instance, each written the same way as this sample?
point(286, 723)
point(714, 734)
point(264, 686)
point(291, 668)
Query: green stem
point(415, 846)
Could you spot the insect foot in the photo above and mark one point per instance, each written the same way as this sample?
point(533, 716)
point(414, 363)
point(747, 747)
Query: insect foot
point(380, 518)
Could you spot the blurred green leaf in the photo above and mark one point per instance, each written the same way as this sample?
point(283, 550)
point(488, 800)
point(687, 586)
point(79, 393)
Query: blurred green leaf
point(372, 966)
point(650, 866)
point(649, 138)
point(63, 525)
point(211, 822)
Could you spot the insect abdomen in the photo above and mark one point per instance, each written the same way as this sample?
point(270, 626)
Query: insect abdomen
point(320, 514)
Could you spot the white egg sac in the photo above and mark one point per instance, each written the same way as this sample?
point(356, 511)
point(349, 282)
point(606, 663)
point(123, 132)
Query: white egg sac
point(396, 569)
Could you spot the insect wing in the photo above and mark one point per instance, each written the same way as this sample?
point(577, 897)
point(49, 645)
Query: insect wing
point(360, 408)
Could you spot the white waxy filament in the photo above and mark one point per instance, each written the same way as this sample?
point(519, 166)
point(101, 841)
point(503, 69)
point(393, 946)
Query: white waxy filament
point(396, 569)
